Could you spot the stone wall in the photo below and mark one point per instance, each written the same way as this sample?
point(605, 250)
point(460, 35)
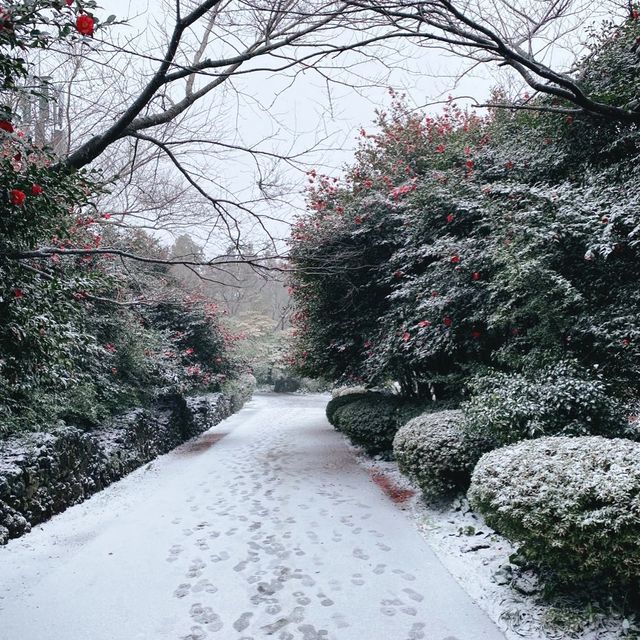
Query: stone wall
point(42, 474)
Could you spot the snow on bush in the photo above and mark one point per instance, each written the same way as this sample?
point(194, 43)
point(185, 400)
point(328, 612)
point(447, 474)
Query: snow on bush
point(372, 420)
point(572, 504)
point(239, 390)
point(559, 400)
point(435, 452)
point(338, 392)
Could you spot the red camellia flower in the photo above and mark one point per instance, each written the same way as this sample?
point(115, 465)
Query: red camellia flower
point(470, 164)
point(17, 197)
point(406, 336)
point(569, 119)
point(358, 219)
point(475, 275)
point(5, 125)
point(189, 351)
point(424, 323)
point(398, 274)
point(440, 148)
point(85, 25)
point(447, 321)
point(455, 259)
point(69, 2)
point(106, 216)
point(450, 217)
point(18, 293)
point(36, 189)
point(626, 342)
point(508, 164)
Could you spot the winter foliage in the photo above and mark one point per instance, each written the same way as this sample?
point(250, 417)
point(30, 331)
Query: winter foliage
point(434, 450)
point(571, 503)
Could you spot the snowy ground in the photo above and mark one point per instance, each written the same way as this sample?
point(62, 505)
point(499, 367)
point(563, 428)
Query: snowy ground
point(479, 559)
point(265, 527)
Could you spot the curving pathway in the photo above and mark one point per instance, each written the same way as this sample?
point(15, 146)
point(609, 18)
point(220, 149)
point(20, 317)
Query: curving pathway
point(265, 527)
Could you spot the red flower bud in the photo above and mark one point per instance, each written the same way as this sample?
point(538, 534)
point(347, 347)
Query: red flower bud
point(406, 336)
point(85, 25)
point(455, 259)
point(36, 189)
point(18, 293)
point(475, 275)
point(17, 197)
point(5, 125)
point(447, 321)
point(450, 217)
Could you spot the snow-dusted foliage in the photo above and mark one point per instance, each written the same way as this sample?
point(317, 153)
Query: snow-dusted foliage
point(239, 390)
point(346, 391)
point(456, 243)
point(371, 421)
point(435, 452)
point(558, 400)
point(572, 504)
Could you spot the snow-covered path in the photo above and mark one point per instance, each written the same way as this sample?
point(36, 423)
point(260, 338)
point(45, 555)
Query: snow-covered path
point(265, 527)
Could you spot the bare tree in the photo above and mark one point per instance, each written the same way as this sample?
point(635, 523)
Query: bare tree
point(538, 39)
point(150, 100)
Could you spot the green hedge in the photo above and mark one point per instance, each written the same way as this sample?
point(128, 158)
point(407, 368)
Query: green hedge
point(344, 398)
point(572, 504)
point(558, 400)
point(372, 420)
point(437, 454)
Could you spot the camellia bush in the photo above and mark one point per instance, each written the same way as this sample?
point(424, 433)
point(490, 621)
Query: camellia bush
point(457, 245)
point(571, 504)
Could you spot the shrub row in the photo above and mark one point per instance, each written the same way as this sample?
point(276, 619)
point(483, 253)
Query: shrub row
point(571, 503)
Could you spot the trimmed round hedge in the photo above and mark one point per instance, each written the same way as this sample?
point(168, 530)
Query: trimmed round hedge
point(436, 453)
point(572, 504)
point(344, 397)
point(372, 420)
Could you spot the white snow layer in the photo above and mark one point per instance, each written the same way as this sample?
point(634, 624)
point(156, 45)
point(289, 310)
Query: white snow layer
point(264, 527)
